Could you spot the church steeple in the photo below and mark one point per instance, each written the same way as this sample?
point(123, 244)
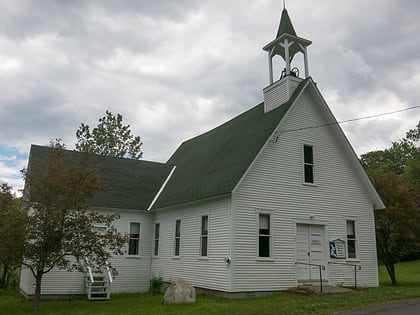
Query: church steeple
point(286, 44)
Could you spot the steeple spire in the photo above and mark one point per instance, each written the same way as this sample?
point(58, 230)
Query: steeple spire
point(285, 26)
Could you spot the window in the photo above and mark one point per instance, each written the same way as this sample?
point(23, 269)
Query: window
point(264, 235)
point(157, 231)
point(308, 161)
point(204, 235)
point(134, 241)
point(351, 239)
point(177, 242)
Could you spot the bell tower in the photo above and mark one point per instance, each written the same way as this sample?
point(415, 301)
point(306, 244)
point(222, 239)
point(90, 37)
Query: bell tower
point(286, 44)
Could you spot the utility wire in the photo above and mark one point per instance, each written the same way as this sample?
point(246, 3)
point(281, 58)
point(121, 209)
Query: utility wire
point(350, 120)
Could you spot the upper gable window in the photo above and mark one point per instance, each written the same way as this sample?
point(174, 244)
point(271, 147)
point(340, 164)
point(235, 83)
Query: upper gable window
point(308, 161)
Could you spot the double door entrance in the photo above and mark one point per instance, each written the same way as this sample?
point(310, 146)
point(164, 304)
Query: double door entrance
point(310, 249)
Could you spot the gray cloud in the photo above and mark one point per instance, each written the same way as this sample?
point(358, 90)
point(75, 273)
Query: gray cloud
point(174, 69)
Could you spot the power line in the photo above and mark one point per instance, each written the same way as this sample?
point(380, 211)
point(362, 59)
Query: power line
point(351, 120)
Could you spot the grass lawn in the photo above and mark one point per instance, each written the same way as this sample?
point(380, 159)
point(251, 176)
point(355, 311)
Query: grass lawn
point(283, 303)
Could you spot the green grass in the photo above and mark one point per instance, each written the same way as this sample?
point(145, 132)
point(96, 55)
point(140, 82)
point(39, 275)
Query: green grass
point(408, 274)
point(283, 303)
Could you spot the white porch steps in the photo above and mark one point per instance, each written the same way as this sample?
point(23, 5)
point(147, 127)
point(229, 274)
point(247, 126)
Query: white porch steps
point(99, 289)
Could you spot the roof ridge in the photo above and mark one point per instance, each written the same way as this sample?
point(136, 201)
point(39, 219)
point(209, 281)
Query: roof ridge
point(224, 123)
point(105, 156)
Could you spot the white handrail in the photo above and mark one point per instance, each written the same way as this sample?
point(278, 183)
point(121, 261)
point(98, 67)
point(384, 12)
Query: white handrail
point(89, 270)
point(109, 272)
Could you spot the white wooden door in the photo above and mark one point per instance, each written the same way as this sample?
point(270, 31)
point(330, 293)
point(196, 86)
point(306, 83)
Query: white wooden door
point(310, 250)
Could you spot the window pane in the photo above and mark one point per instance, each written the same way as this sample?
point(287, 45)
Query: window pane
point(156, 247)
point(264, 221)
point(204, 246)
point(157, 228)
point(133, 247)
point(204, 225)
point(351, 247)
point(134, 229)
point(264, 246)
point(177, 228)
point(350, 229)
point(308, 154)
point(309, 173)
point(177, 244)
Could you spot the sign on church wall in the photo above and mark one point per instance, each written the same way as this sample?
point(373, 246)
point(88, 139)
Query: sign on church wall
point(337, 249)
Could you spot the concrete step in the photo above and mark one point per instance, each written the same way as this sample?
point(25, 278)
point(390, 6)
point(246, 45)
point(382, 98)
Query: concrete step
point(328, 289)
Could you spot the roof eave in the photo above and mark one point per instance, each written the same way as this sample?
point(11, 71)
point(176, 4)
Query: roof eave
point(304, 41)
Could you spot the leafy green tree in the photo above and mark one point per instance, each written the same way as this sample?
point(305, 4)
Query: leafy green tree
point(12, 233)
point(60, 224)
point(396, 158)
point(395, 172)
point(397, 230)
point(110, 137)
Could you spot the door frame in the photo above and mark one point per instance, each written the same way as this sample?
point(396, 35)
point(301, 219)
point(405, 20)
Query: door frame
point(325, 249)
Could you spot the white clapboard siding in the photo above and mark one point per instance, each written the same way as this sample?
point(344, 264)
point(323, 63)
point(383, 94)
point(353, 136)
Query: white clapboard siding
point(133, 272)
point(275, 183)
point(279, 92)
point(209, 273)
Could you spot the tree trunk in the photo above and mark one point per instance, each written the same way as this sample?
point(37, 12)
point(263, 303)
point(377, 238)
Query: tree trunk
point(3, 281)
point(37, 296)
point(391, 271)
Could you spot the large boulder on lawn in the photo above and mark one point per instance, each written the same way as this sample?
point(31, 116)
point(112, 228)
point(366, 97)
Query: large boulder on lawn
point(179, 291)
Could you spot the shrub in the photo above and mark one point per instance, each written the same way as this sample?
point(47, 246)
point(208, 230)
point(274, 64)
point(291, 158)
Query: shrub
point(155, 284)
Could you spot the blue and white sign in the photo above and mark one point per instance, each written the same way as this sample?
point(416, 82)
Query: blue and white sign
point(337, 249)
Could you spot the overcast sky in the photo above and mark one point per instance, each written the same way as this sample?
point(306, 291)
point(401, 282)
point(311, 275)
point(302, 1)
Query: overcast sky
point(175, 69)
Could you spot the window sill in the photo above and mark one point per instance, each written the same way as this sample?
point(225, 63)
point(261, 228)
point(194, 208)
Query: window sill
point(309, 184)
point(176, 258)
point(133, 257)
point(353, 260)
point(266, 259)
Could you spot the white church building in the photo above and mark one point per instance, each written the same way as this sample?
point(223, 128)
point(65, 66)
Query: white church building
point(269, 200)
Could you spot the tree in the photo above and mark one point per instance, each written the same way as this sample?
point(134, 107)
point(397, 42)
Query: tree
point(110, 138)
point(12, 233)
point(61, 229)
point(395, 173)
point(396, 226)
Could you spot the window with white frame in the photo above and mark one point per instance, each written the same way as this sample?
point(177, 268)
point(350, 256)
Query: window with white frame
point(264, 235)
point(351, 239)
point(156, 239)
point(308, 163)
point(134, 241)
point(177, 240)
point(204, 235)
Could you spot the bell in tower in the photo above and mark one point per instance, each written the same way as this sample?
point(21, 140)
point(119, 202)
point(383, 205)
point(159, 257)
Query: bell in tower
point(287, 44)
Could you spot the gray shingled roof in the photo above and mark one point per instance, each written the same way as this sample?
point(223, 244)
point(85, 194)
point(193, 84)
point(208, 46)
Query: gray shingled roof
point(133, 183)
point(213, 163)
